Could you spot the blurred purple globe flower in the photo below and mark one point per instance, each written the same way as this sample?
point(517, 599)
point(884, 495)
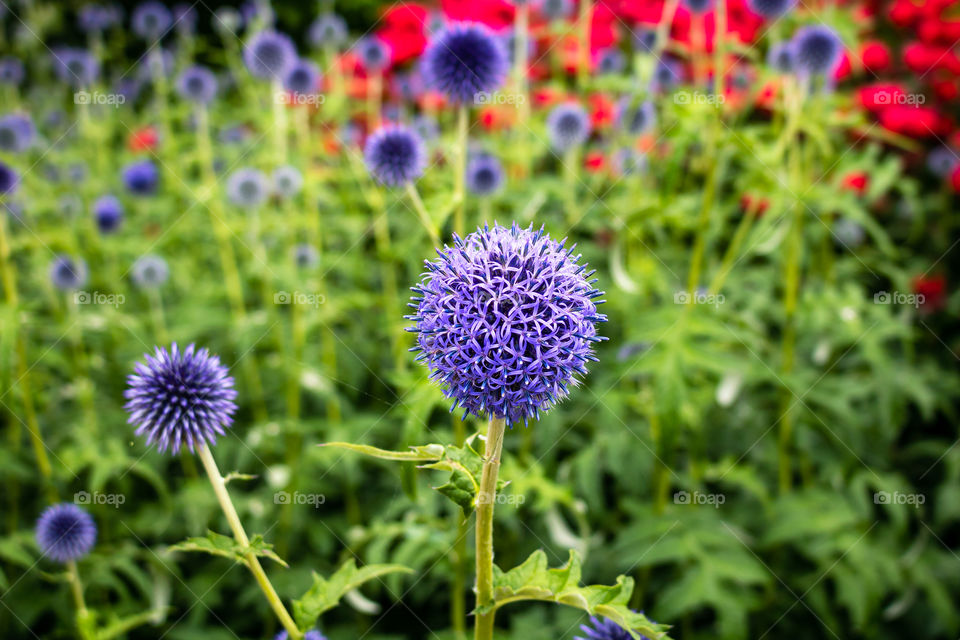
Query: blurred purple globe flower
point(16, 132)
point(98, 17)
point(150, 271)
point(770, 8)
point(65, 532)
point(305, 256)
point(141, 177)
point(395, 155)
point(426, 127)
point(666, 75)
point(556, 9)
point(302, 78)
point(610, 60)
point(506, 321)
point(76, 67)
point(11, 70)
point(269, 54)
point(409, 86)
point(697, 6)
point(644, 40)
point(184, 18)
point(328, 30)
point(484, 174)
point(635, 118)
point(151, 20)
point(942, 161)
point(464, 60)
point(374, 53)
point(9, 179)
point(628, 161)
point(68, 273)
point(287, 181)
point(247, 188)
point(197, 84)
point(605, 630)
point(781, 57)
point(568, 126)
point(817, 50)
point(309, 635)
point(108, 214)
point(180, 398)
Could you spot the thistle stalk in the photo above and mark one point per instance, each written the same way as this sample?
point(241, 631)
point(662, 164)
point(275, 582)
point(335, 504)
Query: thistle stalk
point(486, 499)
point(460, 171)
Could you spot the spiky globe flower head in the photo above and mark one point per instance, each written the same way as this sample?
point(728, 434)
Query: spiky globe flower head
point(942, 161)
point(108, 214)
point(328, 30)
point(9, 179)
point(150, 271)
point(644, 40)
point(11, 70)
point(605, 630)
point(781, 57)
point(16, 132)
point(305, 256)
point(180, 398)
point(635, 118)
point(65, 532)
point(666, 75)
point(303, 77)
point(610, 60)
point(506, 321)
point(141, 177)
point(309, 635)
point(76, 67)
point(151, 20)
point(817, 50)
point(247, 188)
point(97, 17)
point(697, 6)
point(197, 84)
point(568, 126)
point(374, 53)
point(395, 155)
point(771, 8)
point(556, 9)
point(67, 272)
point(287, 181)
point(463, 60)
point(269, 54)
point(484, 174)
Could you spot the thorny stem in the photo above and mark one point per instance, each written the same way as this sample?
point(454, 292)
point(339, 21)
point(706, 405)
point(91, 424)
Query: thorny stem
point(223, 497)
point(486, 498)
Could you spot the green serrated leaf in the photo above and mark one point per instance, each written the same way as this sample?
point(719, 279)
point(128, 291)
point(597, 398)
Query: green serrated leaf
point(218, 544)
point(325, 593)
point(461, 490)
point(534, 580)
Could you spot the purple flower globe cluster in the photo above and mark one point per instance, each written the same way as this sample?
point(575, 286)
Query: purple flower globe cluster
point(395, 155)
point(604, 630)
point(65, 532)
point(506, 321)
point(463, 60)
point(180, 397)
point(309, 635)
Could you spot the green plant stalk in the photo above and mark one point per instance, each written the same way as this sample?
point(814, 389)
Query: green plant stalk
point(374, 96)
point(156, 311)
point(388, 275)
point(571, 166)
point(226, 504)
point(421, 210)
point(733, 250)
point(458, 600)
point(279, 123)
point(84, 620)
point(460, 172)
point(486, 499)
point(703, 221)
point(521, 27)
point(719, 50)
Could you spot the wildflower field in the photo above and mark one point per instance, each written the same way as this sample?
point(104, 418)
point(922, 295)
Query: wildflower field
point(513, 320)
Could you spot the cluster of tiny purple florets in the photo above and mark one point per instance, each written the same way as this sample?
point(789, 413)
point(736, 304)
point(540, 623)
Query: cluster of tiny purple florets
point(506, 321)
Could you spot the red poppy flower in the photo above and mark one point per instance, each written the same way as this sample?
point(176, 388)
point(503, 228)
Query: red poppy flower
point(496, 14)
point(404, 28)
point(601, 110)
point(933, 289)
point(856, 181)
point(875, 56)
point(143, 139)
point(750, 203)
point(911, 120)
point(594, 161)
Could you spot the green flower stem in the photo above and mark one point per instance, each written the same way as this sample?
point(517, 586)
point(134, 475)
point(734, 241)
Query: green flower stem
point(423, 213)
point(223, 497)
point(521, 24)
point(719, 35)
point(571, 167)
point(374, 96)
point(486, 498)
point(159, 319)
point(733, 250)
point(458, 600)
point(460, 172)
point(279, 123)
point(388, 275)
point(84, 620)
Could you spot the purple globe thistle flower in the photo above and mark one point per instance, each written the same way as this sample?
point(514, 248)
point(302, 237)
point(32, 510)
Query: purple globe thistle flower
point(68, 273)
point(287, 181)
point(636, 118)
point(98, 17)
point(247, 188)
point(197, 84)
point(180, 398)
point(9, 179)
point(817, 50)
point(305, 256)
point(666, 75)
point(328, 30)
point(408, 86)
point(395, 155)
point(628, 161)
point(65, 532)
point(697, 6)
point(302, 78)
point(463, 60)
point(506, 321)
point(644, 40)
point(309, 635)
point(605, 630)
point(108, 214)
point(141, 177)
point(942, 161)
point(556, 9)
point(484, 174)
point(16, 132)
point(11, 70)
point(184, 19)
point(426, 127)
point(151, 20)
point(770, 8)
point(610, 60)
point(374, 53)
point(150, 272)
point(269, 54)
point(781, 57)
point(76, 67)
point(568, 126)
